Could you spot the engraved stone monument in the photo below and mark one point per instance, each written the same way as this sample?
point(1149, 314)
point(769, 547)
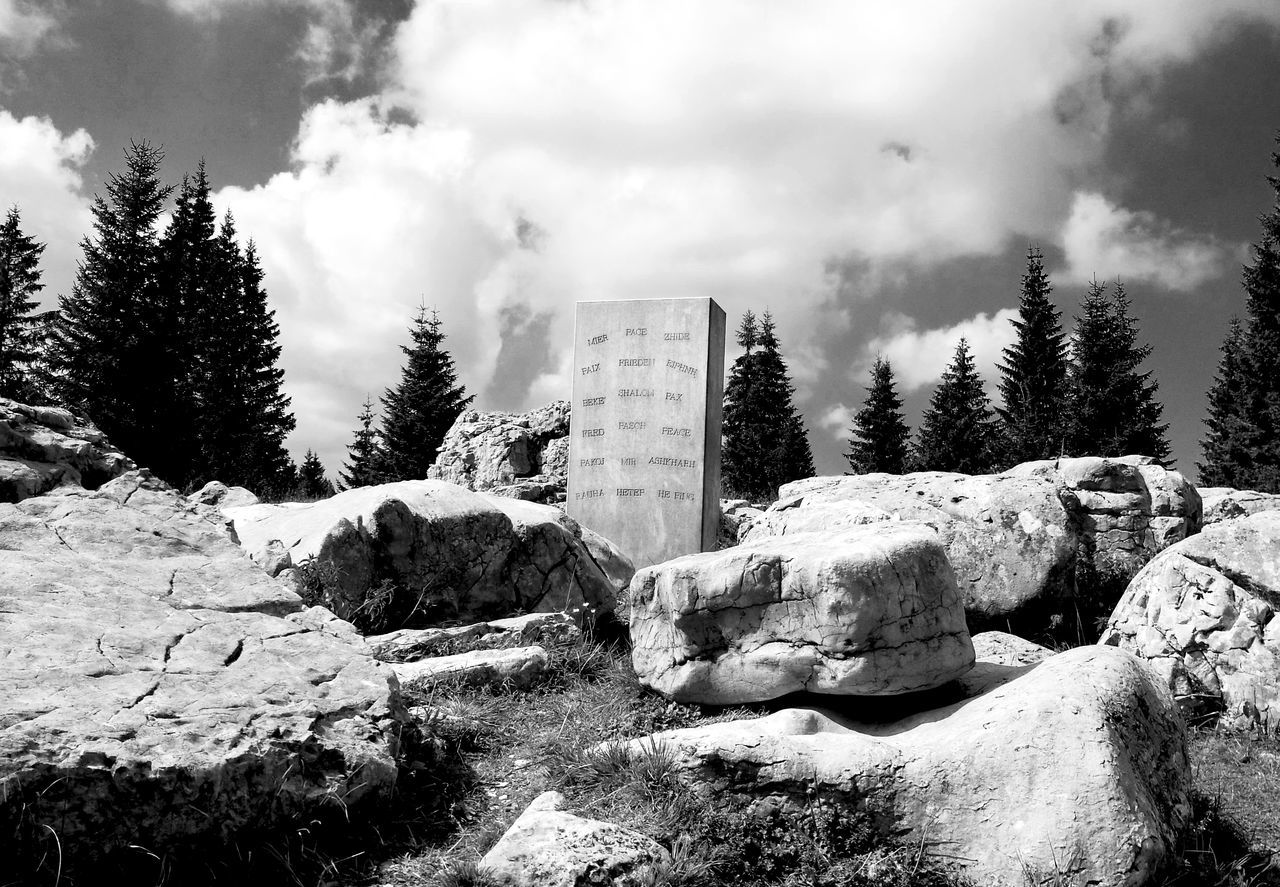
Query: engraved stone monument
point(644, 432)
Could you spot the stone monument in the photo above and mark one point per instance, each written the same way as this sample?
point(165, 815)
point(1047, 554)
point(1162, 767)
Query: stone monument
point(644, 433)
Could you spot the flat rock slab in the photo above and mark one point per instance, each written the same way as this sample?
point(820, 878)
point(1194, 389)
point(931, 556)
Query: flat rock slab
point(546, 847)
point(517, 666)
point(412, 644)
point(469, 554)
point(1203, 614)
point(161, 691)
point(870, 611)
point(1074, 768)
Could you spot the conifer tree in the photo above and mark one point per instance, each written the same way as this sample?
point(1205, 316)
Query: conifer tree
point(419, 411)
point(103, 349)
point(1225, 458)
point(312, 484)
point(364, 453)
point(1113, 410)
point(878, 439)
point(1244, 445)
point(1033, 375)
point(19, 284)
point(740, 448)
point(958, 431)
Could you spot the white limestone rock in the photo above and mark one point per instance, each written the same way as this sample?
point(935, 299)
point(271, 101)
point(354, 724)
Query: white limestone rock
point(871, 611)
point(1225, 503)
point(519, 667)
point(412, 644)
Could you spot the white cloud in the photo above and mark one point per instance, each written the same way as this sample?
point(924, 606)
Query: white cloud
point(24, 25)
point(40, 173)
point(726, 148)
point(919, 357)
point(1108, 241)
point(837, 420)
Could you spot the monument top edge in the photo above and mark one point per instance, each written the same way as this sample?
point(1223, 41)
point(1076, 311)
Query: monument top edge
point(649, 299)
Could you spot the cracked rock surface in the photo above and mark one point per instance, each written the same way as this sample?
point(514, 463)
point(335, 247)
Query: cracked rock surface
point(1225, 503)
point(159, 690)
point(868, 611)
point(1203, 614)
point(547, 847)
point(519, 455)
point(1072, 769)
point(474, 555)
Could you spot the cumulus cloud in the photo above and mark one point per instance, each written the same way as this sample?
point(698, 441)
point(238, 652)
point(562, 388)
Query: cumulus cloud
point(40, 173)
point(1109, 241)
point(726, 148)
point(919, 357)
point(837, 420)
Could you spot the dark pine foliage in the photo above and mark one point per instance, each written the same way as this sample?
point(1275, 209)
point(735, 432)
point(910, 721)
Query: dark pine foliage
point(958, 430)
point(1242, 445)
point(1114, 411)
point(19, 284)
point(764, 442)
point(364, 453)
point(878, 439)
point(1033, 375)
point(312, 484)
point(419, 411)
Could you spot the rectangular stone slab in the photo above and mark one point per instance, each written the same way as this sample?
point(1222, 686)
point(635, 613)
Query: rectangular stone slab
point(644, 438)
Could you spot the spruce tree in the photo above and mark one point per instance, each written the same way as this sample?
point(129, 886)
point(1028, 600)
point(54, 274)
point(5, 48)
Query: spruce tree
point(1113, 410)
point(1033, 375)
point(958, 431)
point(19, 284)
point(103, 349)
point(878, 439)
point(419, 411)
point(740, 449)
point(1225, 458)
point(786, 453)
point(364, 453)
point(312, 484)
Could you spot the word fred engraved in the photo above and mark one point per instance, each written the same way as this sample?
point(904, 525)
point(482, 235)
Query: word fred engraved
point(644, 466)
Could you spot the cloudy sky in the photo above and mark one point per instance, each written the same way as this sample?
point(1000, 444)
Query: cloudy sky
point(873, 173)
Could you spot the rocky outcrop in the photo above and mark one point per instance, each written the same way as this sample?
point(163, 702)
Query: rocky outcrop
point(161, 692)
point(1017, 540)
point(520, 455)
point(518, 667)
point(412, 644)
point(1073, 769)
point(219, 495)
point(1225, 503)
point(736, 518)
point(42, 448)
point(1203, 614)
point(863, 612)
point(447, 552)
point(547, 847)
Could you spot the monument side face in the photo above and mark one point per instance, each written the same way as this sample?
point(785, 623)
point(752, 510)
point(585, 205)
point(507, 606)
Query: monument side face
point(644, 445)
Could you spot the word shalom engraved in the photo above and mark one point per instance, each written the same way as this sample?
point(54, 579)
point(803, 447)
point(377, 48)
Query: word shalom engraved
point(673, 462)
point(637, 331)
point(631, 425)
point(592, 401)
point(589, 494)
point(627, 461)
point(635, 392)
point(630, 492)
point(668, 431)
point(591, 463)
point(593, 432)
point(675, 395)
point(676, 495)
point(594, 368)
point(598, 340)
point(675, 337)
point(682, 368)
point(637, 361)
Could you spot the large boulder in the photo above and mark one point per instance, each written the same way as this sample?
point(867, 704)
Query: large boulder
point(1225, 503)
point(1073, 769)
point(865, 612)
point(161, 692)
point(1016, 540)
point(521, 455)
point(451, 552)
point(1203, 614)
point(42, 448)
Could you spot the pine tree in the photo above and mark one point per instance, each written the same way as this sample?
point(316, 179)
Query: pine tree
point(364, 453)
point(1033, 375)
point(878, 439)
point(958, 430)
point(1225, 459)
point(1113, 410)
point(419, 411)
point(103, 349)
point(764, 442)
point(19, 284)
point(312, 484)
